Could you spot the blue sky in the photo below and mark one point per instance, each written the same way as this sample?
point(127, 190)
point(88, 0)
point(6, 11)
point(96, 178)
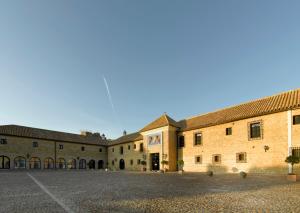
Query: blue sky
point(180, 57)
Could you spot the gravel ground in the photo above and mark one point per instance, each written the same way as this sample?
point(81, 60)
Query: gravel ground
point(99, 191)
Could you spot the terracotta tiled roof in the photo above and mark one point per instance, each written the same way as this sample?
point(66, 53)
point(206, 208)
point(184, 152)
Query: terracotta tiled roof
point(163, 120)
point(276, 103)
point(29, 132)
point(127, 138)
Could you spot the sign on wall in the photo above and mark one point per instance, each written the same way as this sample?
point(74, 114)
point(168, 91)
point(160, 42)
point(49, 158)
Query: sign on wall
point(154, 139)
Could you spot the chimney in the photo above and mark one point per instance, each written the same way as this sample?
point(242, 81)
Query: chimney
point(124, 133)
point(86, 133)
point(103, 137)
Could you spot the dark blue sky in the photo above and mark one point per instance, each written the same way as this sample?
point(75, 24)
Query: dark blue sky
point(180, 57)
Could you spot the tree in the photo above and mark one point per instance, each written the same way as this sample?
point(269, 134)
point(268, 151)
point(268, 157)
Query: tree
point(292, 159)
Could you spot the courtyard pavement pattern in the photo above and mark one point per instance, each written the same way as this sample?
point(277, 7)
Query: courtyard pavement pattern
point(100, 191)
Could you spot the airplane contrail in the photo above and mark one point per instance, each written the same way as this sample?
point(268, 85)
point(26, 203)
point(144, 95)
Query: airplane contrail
point(108, 94)
point(111, 102)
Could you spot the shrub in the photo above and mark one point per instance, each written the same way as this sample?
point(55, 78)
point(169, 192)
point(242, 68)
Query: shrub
point(292, 160)
point(180, 164)
point(243, 174)
point(210, 173)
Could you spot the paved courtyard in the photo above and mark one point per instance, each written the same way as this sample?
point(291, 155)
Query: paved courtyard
point(99, 191)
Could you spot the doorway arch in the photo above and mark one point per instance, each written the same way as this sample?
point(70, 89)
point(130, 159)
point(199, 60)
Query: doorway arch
point(92, 164)
point(4, 162)
point(122, 164)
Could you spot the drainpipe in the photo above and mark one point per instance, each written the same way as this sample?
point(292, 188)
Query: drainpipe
point(55, 155)
point(289, 118)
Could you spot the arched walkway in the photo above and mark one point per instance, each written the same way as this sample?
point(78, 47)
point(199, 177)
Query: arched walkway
point(100, 164)
point(48, 163)
point(82, 164)
point(72, 164)
point(35, 163)
point(4, 162)
point(92, 164)
point(20, 163)
point(61, 163)
point(122, 164)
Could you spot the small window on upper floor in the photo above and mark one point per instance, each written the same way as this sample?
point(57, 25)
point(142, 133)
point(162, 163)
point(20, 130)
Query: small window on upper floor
point(181, 141)
point(35, 144)
point(128, 147)
point(100, 149)
point(229, 131)
point(3, 141)
point(61, 146)
point(198, 138)
point(134, 146)
point(112, 149)
point(296, 119)
point(82, 148)
point(121, 150)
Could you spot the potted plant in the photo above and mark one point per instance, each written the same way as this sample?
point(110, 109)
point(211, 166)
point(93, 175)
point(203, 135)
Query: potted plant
point(144, 163)
point(292, 160)
point(180, 164)
point(164, 162)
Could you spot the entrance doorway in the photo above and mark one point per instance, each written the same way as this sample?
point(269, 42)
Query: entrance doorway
point(122, 164)
point(100, 164)
point(92, 164)
point(155, 161)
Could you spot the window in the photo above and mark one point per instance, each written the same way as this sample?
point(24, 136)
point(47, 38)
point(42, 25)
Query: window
point(255, 130)
point(128, 147)
point(113, 162)
point(61, 146)
point(241, 157)
point(35, 144)
point(296, 151)
point(131, 162)
point(134, 146)
point(100, 150)
point(181, 141)
point(198, 139)
point(138, 162)
point(229, 131)
point(216, 159)
point(198, 159)
point(3, 141)
point(112, 149)
point(121, 150)
point(296, 119)
point(82, 148)
point(141, 147)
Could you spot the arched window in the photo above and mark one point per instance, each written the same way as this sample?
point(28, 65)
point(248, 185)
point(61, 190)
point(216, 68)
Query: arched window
point(48, 163)
point(35, 163)
point(4, 162)
point(72, 164)
point(20, 163)
point(61, 163)
point(82, 164)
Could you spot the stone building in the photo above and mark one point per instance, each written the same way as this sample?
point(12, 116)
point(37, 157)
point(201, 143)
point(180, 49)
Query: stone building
point(24, 147)
point(255, 137)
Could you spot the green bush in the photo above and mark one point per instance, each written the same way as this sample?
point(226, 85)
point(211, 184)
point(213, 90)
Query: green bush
point(210, 173)
point(292, 160)
point(243, 174)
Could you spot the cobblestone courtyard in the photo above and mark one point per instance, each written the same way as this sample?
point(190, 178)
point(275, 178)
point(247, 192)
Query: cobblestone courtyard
point(99, 191)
